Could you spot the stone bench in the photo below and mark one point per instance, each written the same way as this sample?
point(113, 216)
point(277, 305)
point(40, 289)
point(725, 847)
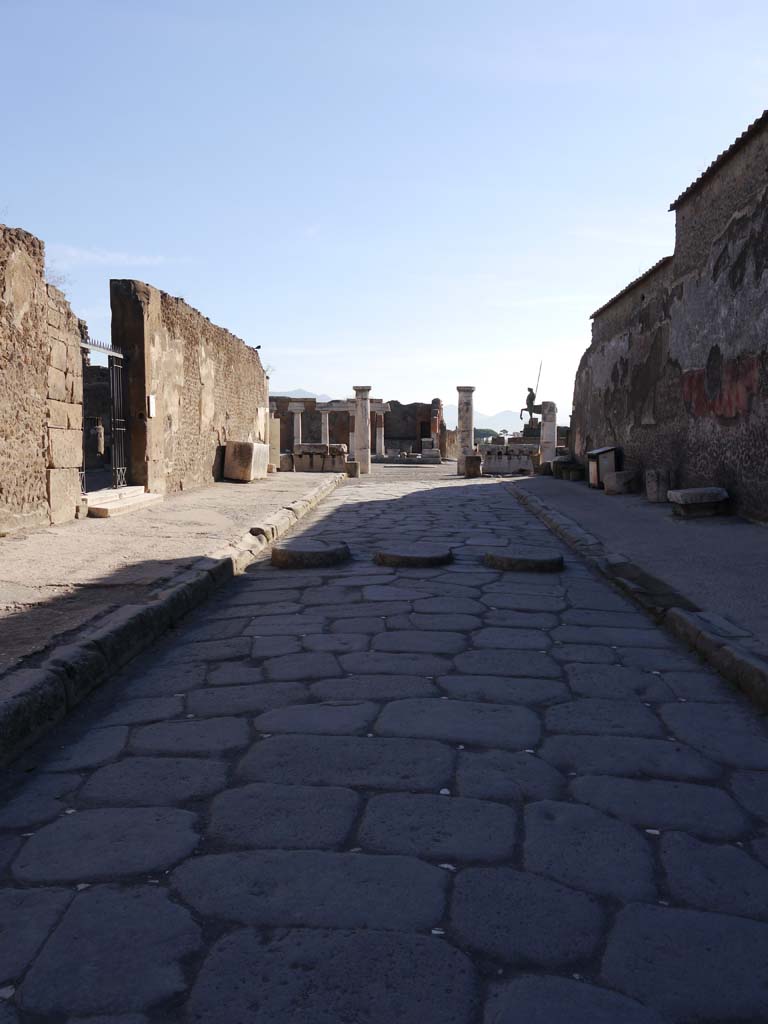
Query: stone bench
point(693, 502)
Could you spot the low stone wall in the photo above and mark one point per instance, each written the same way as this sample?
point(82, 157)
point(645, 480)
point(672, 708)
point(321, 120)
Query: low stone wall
point(41, 390)
point(191, 387)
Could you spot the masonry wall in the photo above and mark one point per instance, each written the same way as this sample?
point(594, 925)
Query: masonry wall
point(311, 422)
point(677, 372)
point(406, 426)
point(40, 390)
point(209, 388)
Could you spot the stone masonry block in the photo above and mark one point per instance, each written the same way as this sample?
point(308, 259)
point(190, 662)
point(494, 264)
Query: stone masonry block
point(657, 483)
point(620, 482)
point(74, 388)
point(246, 461)
point(65, 414)
point(58, 355)
point(57, 384)
point(63, 494)
point(65, 448)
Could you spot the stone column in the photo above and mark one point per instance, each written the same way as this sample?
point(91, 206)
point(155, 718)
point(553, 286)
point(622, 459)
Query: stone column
point(548, 441)
point(325, 428)
point(351, 445)
point(465, 434)
point(297, 410)
point(380, 434)
point(363, 427)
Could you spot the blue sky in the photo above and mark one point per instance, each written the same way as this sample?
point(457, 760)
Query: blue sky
point(412, 194)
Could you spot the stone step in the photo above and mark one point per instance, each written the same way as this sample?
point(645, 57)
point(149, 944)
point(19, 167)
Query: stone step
point(132, 503)
point(112, 495)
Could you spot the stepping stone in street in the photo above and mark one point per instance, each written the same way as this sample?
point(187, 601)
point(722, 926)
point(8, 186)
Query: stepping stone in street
point(309, 554)
point(524, 559)
point(421, 556)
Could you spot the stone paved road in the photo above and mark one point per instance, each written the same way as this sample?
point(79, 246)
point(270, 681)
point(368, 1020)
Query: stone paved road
point(367, 795)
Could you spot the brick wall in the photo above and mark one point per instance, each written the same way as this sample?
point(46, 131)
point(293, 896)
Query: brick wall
point(311, 422)
point(209, 388)
point(677, 372)
point(40, 390)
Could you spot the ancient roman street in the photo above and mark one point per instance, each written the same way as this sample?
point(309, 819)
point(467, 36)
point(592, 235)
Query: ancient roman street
point(373, 793)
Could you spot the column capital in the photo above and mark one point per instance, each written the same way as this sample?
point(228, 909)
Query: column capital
point(460, 387)
point(357, 388)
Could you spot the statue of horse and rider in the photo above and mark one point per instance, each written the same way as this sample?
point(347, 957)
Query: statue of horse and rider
point(530, 405)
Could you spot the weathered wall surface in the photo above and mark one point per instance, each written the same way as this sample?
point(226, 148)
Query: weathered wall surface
point(209, 387)
point(406, 426)
point(677, 372)
point(40, 390)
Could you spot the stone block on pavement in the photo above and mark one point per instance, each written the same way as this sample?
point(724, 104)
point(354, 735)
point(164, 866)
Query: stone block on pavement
point(246, 461)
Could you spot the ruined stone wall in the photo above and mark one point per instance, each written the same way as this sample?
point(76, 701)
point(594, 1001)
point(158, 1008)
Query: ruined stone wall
point(209, 388)
point(677, 372)
point(406, 426)
point(40, 390)
point(311, 422)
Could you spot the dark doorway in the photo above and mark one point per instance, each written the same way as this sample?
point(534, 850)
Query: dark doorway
point(105, 451)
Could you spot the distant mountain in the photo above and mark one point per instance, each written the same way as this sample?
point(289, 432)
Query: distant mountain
point(506, 420)
point(300, 393)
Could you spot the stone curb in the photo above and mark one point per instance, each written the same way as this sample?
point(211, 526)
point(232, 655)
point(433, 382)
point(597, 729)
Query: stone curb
point(34, 699)
point(711, 636)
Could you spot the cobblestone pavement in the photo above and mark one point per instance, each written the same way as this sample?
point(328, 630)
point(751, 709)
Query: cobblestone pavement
point(366, 795)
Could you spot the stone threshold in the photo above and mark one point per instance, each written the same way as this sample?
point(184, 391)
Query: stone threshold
point(35, 698)
point(715, 639)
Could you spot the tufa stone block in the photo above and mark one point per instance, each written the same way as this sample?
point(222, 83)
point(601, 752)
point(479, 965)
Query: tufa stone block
point(58, 355)
point(57, 384)
point(694, 502)
point(65, 448)
point(246, 461)
point(64, 495)
point(473, 466)
point(620, 482)
point(657, 483)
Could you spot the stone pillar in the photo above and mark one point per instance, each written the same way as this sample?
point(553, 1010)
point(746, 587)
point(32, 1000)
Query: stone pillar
point(465, 434)
point(325, 428)
point(548, 441)
point(380, 434)
point(363, 427)
point(274, 440)
point(351, 445)
point(297, 410)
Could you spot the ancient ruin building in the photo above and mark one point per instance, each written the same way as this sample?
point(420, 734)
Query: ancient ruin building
point(677, 371)
point(407, 426)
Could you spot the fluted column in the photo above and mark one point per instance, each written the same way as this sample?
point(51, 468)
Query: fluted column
point(363, 427)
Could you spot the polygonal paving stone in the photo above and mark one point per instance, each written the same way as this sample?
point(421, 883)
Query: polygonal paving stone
point(703, 810)
point(592, 716)
point(385, 663)
point(614, 682)
point(588, 654)
point(507, 663)
point(340, 718)
point(233, 674)
point(597, 596)
point(720, 878)
point(551, 1000)
point(124, 1018)
point(270, 816)
point(417, 642)
point(657, 659)
point(154, 781)
point(336, 596)
point(238, 700)
point(309, 554)
point(608, 635)
point(449, 622)
point(336, 643)
point(38, 800)
point(448, 606)
point(520, 559)
point(391, 592)
point(8, 1014)
point(751, 790)
point(144, 709)
point(212, 650)
point(363, 626)
point(729, 733)
point(520, 620)
point(27, 917)
point(523, 601)
point(326, 977)
point(283, 626)
point(413, 555)
point(371, 609)
point(588, 850)
point(519, 918)
point(688, 964)
point(350, 761)
point(501, 775)
point(438, 827)
point(627, 755)
point(698, 686)
point(295, 667)
point(218, 629)
point(9, 846)
point(594, 617)
point(115, 951)
point(510, 639)
point(93, 845)
point(382, 687)
point(482, 725)
point(314, 889)
point(272, 646)
point(207, 736)
point(96, 747)
point(500, 690)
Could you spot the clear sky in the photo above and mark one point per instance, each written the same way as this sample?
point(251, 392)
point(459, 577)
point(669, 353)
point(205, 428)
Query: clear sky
point(411, 194)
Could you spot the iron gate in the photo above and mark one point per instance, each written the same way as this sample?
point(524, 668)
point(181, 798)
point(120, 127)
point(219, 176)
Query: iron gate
point(117, 407)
